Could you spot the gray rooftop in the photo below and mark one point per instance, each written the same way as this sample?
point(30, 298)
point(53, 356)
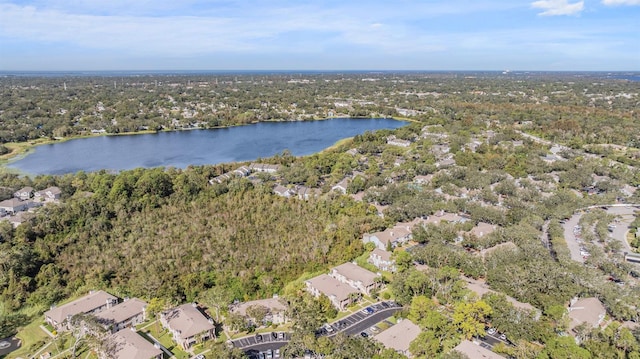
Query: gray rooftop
point(399, 336)
point(127, 344)
point(188, 320)
point(330, 286)
point(356, 273)
point(85, 304)
point(123, 311)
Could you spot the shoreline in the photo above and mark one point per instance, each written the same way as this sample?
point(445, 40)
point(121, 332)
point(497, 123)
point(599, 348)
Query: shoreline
point(20, 150)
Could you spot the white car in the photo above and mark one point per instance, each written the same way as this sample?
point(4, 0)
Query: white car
point(491, 331)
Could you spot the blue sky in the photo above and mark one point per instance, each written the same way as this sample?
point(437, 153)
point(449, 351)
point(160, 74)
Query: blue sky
point(589, 35)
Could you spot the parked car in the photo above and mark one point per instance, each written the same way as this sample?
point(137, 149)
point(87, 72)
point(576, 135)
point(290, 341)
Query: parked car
point(491, 331)
point(374, 329)
point(328, 328)
point(281, 336)
point(364, 335)
point(503, 337)
point(258, 338)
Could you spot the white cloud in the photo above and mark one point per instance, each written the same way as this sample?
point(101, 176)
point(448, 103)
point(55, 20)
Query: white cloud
point(558, 7)
point(620, 2)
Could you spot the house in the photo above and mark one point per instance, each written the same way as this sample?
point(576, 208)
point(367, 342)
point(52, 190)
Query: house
point(388, 238)
point(93, 303)
point(129, 313)
point(392, 140)
point(275, 308)
point(341, 295)
point(242, 171)
point(472, 350)
point(341, 186)
point(352, 274)
point(480, 288)
point(399, 336)
point(282, 191)
point(24, 193)
point(442, 216)
point(261, 167)
point(187, 325)
point(14, 205)
point(127, 344)
point(482, 229)
point(306, 192)
point(586, 310)
point(48, 194)
point(382, 260)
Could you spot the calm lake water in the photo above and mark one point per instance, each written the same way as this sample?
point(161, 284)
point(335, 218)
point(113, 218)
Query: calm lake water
point(183, 148)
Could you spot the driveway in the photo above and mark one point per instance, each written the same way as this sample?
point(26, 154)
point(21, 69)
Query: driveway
point(7, 345)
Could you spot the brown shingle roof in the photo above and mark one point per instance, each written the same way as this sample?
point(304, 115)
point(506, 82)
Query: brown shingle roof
point(127, 344)
point(188, 320)
point(123, 311)
point(356, 273)
point(330, 286)
point(85, 304)
point(399, 336)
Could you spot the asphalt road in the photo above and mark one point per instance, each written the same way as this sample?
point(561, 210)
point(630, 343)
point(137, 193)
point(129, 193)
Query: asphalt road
point(369, 320)
point(353, 324)
point(7, 345)
point(265, 340)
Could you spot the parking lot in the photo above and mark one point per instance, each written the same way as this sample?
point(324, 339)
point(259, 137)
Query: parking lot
point(618, 231)
point(267, 345)
point(263, 338)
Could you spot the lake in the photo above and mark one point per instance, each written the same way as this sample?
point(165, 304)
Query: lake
point(195, 147)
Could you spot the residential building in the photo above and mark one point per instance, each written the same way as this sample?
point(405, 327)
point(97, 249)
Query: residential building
point(129, 313)
point(586, 310)
point(341, 295)
point(382, 260)
point(93, 303)
point(50, 194)
point(341, 186)
point(392, 237)
point(14, 205)
point(262, 167)
point(472, 350)
point(306, 192)
point(282, 191)
point(350, 273)
point(276, 310)
point(24, 193)
point(127, 344)
point(482, 229)
point(392, 140)
point(187, 325)
point(399, 336)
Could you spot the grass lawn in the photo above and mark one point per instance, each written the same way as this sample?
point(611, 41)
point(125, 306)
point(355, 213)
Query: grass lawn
point(164, 337)
point(33, 338)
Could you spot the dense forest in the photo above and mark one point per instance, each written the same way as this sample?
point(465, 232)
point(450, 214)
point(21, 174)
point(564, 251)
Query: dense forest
point(169, 235)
